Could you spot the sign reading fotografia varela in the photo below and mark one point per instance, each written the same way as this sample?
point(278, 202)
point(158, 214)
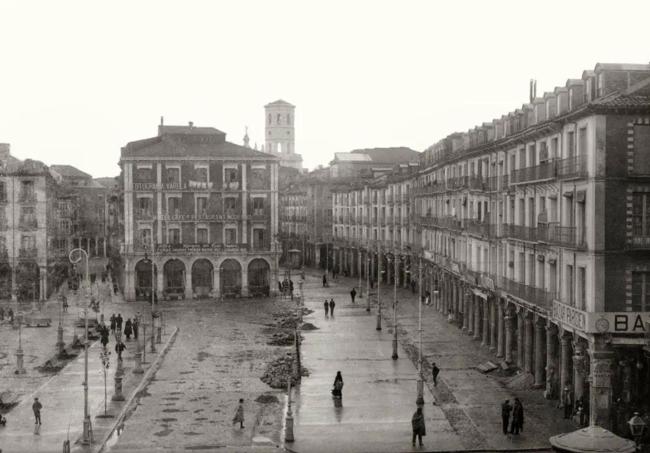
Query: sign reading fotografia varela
point(195, 248)
point(199, 217)
point(198, 185)
point(601, 322)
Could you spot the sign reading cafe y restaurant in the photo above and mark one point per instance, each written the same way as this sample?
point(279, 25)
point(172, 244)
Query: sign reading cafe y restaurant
point(600, 322)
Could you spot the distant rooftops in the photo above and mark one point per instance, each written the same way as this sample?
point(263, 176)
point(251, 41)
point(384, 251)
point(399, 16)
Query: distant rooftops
point(68, 171)
point(279, 103)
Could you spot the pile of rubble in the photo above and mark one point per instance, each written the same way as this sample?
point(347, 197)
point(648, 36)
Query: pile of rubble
point(281, 369)
point(283, 338)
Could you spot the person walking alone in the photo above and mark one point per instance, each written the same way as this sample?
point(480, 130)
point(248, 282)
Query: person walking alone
point(128, 329)
point(326, 305)
point(337, 391)
point(239, 414)
point(324, 280)
point(517, 417)
point(419, 428)
point(332, 305)
point(119, 347)
point(506, 408)
point(135, 326)
point(36, 407)
point(353, 294)
point(113, 323)
point(435, 371)
point(118, 322)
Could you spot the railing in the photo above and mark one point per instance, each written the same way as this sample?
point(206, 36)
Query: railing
point(640, 242)
point(480, 228)
point(233, 185)
point(572, 167)
point(551, 233)
point(29, 253)
point(261, 246)
point(431, 189)
point(536, 296)
point(460, 182)
point(521, 232)
point(497, 183)
point(539, 172)
point(478, 183)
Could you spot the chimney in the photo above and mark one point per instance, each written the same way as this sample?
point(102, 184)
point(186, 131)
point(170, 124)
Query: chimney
point(4, 154)
point(191, 123)
point(533, 90)
point(162, 120)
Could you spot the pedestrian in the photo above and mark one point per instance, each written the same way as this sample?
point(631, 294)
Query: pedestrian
point(155, 297)
point(10, 314)
point(372, 283)
point(505, 415)
point(104, 336)
point(118, 322)
point(413, 286)
point(291, 288)
point(239, 414)
point(324, 280)
point(427, 298)
point(419, 428)
point(353, 294)
point(567, 402)
point(337, 390)
point(326, 305)
point(332, 305)
point(135, 324)
point(517, 417)
point(280, 287)
point(128, 329)
point(65, 304)
point(434, 371)
point(36, 407)
point(119, 347)
point(2, 314)
point(113, 323)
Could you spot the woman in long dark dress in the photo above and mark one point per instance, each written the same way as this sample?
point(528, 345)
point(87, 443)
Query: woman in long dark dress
point(338, 385)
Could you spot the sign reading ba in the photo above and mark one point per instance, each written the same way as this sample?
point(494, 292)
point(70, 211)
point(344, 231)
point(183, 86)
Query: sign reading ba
point(601, 322)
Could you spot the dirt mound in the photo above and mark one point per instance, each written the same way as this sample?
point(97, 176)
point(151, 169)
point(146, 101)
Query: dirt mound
point(308, 326)
point(267, 399)
point(279, 371)
point(282, 339)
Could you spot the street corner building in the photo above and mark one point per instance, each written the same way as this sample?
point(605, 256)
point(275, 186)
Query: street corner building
point(533, 232)
point(203, 212)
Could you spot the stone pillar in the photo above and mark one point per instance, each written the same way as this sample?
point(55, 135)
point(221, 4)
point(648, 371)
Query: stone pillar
point(578, 368)
point(493, 324)
point(520, 339)
point(244, 280)
point(129, 283)
point(528, 342)
point(539, 353)
point(509, 319)
point(477, 317)
point(188, 284)
point(565, 361)
point(501, 327)
point(216, 281)
point(486, 322)
point(159, 281)
point(469, 308)
point(600, 395)
point(552, 390)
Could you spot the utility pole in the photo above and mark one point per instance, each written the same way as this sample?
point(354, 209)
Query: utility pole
point(420, 384)
point(396, 267)
point(378, 286)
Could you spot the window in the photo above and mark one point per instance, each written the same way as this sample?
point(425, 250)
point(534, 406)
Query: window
point(553, 153)
point(65, 227)
point(201, 174)
point(231, 236)
point(258, 238)
point(3, 193)
point(258, 206)
point(27, 193)
point(230, 205)
point(640, 213)
point(174, 236)
point(288, 119)
point(570, 289)
point(27, 242)
point(582, 288)
point(174, 205)
point(570, 144)
point(269, 121)
point(145, 237)
point(145, 206)
point(231, 178)
point(202, 235)
point(144, 174)
point(278, 118)
point(202, 206)
point(640, 291)
point(27, 217)
point(582, 141)
point(642, 149)
point(173, 176)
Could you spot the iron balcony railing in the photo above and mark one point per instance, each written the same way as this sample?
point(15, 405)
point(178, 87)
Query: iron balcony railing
point(536, 296)
point(570, 167)
point(551, 233)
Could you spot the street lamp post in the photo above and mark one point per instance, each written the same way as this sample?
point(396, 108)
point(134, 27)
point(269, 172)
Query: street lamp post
point(87, 427)
point(637, 425)
point(396, 267)
point(420, 383)
point(288, 430)
point(359, 272)
point(59, 331)
point(378, 287)
point(20, 369)
point(368, 279)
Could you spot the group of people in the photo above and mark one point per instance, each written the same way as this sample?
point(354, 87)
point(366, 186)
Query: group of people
point(580, 410)
point(329, 307)
point(512, 417)
point(9, 314)
point(131, 326)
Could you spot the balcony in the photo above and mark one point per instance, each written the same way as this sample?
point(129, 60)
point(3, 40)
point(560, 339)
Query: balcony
point(27, 253)
point(451, 223)
point(539, 172)
point(551, 233)
point(477, 228)
point(460, 182)
point(27, 197)
point(572, 167)
point(27, 223)
point(637, 242)
point(497, 183)
point(232, 185)
point(521, 232)
point(536, 296)
point(431, 189)
point(261, 246)
point(478, 183)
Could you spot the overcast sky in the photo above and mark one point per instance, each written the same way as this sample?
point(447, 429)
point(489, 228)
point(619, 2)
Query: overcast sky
point(78, 80)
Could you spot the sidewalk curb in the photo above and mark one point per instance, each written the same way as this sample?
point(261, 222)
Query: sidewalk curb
point(146, 379)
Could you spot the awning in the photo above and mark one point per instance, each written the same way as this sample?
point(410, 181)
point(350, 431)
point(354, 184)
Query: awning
point(295, 251)
point(592, 439)
point(479, 293)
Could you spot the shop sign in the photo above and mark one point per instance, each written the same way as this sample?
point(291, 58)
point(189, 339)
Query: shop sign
point(569, 315)
point(148, 186)
point(197, 218)
point(618, 322)
point(191, 249)
point(601, 375)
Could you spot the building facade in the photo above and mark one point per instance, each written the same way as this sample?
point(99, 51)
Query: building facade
point(203, 210)
point(530, 231)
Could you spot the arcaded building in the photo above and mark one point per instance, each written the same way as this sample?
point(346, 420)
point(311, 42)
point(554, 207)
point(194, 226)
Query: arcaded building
point(533, 233)
point(203, 210)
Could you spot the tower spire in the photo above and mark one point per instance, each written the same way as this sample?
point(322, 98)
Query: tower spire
point(246, 139)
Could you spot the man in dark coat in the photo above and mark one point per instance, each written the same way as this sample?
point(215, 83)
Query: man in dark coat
point(353, 294)
point(332, 305)
point(517, 417)
point(435, 371)
point(118, 322)
point(119, 347)
point(135, 326)
point(324, 280)
point(419, 428)
point(113, 323)
point(326, 305)
point(505, 415)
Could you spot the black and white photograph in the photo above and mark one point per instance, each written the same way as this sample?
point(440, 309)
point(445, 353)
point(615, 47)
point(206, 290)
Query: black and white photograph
point(302, 226)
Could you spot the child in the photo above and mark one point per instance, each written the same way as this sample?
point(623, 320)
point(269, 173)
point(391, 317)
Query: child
point(239, 415)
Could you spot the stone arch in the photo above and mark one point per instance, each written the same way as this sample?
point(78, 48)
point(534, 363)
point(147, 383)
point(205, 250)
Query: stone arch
point(143, 281)
point(174, 278)
point(230, 271)
point(259, 277)
point(202, 277)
